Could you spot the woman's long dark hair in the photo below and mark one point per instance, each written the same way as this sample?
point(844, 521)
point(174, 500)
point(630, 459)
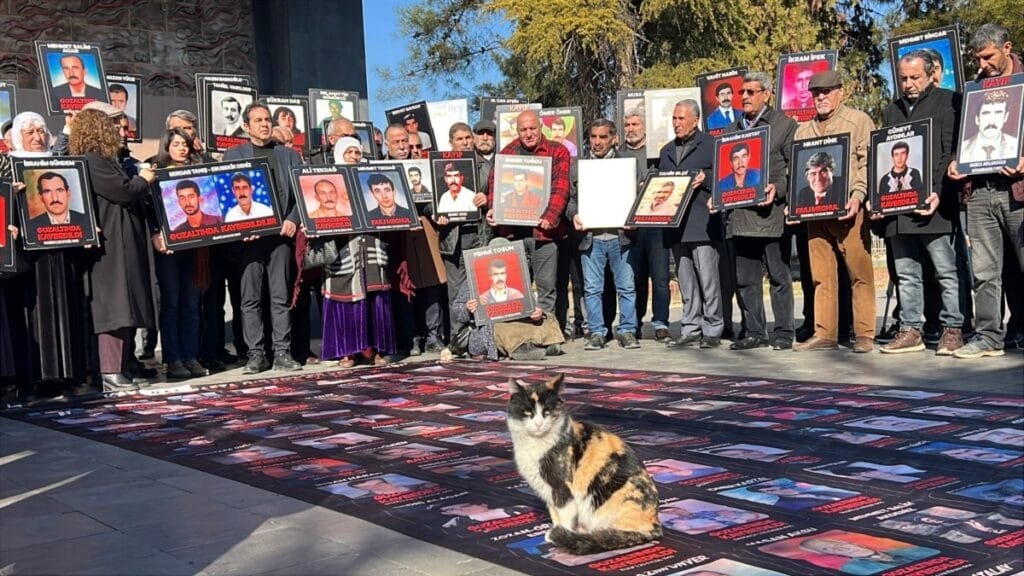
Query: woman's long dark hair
point(163, 158)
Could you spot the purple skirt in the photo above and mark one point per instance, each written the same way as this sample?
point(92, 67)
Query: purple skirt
point(351, 327)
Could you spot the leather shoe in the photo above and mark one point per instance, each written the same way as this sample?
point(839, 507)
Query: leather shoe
point(749, 343)
point(863, 345)
point(691, 341)
point(118, 383)
point(815, 343)
point(255, 365)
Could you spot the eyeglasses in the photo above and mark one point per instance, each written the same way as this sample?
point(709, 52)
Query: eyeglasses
point(821, 91)
point(415, 146)
point(749, 92)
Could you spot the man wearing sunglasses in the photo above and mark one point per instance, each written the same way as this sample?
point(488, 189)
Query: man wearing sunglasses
point(847, 236)
point(757, 232)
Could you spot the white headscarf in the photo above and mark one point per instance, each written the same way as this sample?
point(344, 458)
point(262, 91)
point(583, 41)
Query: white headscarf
point(21, 122)
point(344, 144)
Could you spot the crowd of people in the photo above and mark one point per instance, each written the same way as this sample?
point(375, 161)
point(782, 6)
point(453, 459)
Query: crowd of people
point(73, 315)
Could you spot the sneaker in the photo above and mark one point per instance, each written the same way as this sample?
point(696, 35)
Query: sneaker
point(595, 342)
point(177, 371)
point(554, 350)
point(977, 348)
point(628, 341)
point(710, 342)
point(749, 343)
point(951, 340)
point(285, 363)
point(196, 369)
point(256, 364)
point(434, 347)
point(662, 335)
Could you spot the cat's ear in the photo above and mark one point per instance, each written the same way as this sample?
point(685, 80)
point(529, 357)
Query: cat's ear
point(513, 387)
point(555, 384)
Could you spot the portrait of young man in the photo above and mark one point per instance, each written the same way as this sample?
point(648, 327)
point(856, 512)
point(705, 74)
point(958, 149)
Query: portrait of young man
point(190, 199)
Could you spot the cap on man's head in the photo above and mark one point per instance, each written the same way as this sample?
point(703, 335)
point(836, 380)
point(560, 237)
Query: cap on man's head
point(483, 126)
point(107, 109)
point(826, 79)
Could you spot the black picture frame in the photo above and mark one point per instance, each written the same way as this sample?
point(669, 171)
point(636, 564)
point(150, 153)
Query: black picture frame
point(667, 213)
point(891, 193)
point(417, 113)
point(793, 74)
point(133, 107)
point(220, 219)
point(570, 119)
point(943, 43)
point(462, 208)
point(226, 131)
point(298, 106)
point(310, 191)
point(711, 85)
point(405, 216)
point(201, 79)
point(986, 103)
point(487, 263)
point(68, 177)
point(8, 106)
point(726, 193)
point(57, 90)
point(802, 201)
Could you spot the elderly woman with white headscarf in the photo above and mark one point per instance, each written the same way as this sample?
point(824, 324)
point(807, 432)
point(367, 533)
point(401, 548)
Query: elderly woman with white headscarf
point(357, 319)
point(46, 318)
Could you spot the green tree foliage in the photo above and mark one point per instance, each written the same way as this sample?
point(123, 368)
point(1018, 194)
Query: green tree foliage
point(580, 52)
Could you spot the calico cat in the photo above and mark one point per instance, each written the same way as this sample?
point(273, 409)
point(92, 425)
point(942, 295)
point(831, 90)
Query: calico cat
point(598, 492)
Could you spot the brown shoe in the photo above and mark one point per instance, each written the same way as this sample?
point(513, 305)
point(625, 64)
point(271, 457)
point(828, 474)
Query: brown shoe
point(952, 339)
point(815, 343)
point(906, 340)
point(863, 344)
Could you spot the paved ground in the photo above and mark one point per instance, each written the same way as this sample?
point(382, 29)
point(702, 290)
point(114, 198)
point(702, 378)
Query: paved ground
point(73, 506)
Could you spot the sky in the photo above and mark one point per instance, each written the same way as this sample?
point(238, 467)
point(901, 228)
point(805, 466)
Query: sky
point(384, 48)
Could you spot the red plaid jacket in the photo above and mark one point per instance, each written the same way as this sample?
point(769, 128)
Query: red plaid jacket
point(555, 212)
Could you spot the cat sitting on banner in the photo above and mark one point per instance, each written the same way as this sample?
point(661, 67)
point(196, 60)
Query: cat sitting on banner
point(597, 491)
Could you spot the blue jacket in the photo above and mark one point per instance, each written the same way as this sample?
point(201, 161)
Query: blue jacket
point(729, 182)
point(718, 120)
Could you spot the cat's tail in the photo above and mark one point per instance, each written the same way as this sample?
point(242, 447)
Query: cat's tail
point(582, 543)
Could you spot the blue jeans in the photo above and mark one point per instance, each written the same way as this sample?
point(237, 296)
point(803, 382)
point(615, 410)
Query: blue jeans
point(992, 215)
point(179, 306)
point(649, 259)
point(611, 253)
point(909, 251)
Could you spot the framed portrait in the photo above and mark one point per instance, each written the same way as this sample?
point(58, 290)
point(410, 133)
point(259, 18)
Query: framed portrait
point(563, 125)
point(57, 210)
point(692, 516)
point(658, 108)
point(125, 92)
point(202, 78)
point(72, 75)
point(741, 169)
point(454, 185)
point(506, 116)
point(489, 106)
point(326, 105)
point(793, 79)
point(499, 280)
point(990, 126)
point(385, 197)
point(214, 203)
point(291, 112)
point(224, 106)
point(606, 191)
point(416, 119)
point(818, 178)
point(8, 107)
point(900, 169)
point(942, 44)
point(418, 175)
point(443, 114)
point(364, 130)
point(629, 102)
point(522, 188)
point(663, 198)
point(325, 200)
point(720, 98)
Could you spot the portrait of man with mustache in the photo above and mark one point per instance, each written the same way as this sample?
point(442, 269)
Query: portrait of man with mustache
point(991, 141)
point(55, 194)
point(75, 86)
